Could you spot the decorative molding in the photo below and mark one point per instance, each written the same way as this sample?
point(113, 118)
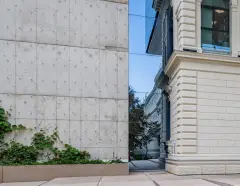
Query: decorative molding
point(179, 56)
point(203, 157)
point(203, 169)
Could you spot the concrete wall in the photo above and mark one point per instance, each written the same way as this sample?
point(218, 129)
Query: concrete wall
point(64, 64)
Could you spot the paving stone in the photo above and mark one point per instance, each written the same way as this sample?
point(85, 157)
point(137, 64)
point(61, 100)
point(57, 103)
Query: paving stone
point(141, 177)
point(187, 182)
point(128, 183)
point(88, 181)
point(24, 184)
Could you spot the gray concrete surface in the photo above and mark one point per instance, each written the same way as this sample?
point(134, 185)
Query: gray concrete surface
point(140, 179)
point(64, 65)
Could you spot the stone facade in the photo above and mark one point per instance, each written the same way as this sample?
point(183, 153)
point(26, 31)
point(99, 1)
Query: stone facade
point(153, 108)
point(203, 90)
point(64, 64)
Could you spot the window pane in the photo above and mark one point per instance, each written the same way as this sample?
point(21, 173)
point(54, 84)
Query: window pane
point(207, 18)
point(217, 3)
point(206, 36)
point(221, 39)
point(221, 20)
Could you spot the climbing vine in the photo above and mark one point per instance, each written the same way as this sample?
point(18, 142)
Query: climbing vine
point(6, 127)
point(42, 149)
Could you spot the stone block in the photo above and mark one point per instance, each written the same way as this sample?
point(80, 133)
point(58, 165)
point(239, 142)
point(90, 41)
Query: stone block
point(26, 106)
point(89, 70)
point(49, 172)
point(90, 109)
point(108, 110)
point(63, 132)
point(108, 23)
point(75, 24)
point(90, 23)
point(46, 107)
point(8, 102)
point(213, 169)
point(123, 110)
point(75, 133)
point(75, 69)
point(122, 130)
point(75, 108)
point(62, 22)
point(63, 108)
point(122, 25)
point(123, 154)
point(48, 126)
point(90, 133)
point(26, 68)
point(232, 169)
point(108, 134)
point(122, 87)
point(108, 74)
point(46, 69)
point(63, 70)
point(46, 21)
point(7, 19)
point(7, 66)
point(108, 153)
point(94, 152)
point(26, 20)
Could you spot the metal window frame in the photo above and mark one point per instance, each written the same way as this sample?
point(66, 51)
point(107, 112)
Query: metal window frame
point(213, 8)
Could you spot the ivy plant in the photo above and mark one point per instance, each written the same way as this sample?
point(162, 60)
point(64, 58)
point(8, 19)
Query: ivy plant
point(14, 153)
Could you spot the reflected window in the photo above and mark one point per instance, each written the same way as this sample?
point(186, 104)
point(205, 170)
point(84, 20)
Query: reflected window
point(215, 25)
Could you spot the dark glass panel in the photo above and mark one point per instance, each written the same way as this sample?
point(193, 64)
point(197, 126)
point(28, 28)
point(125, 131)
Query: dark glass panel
point(217, 3)
point(221, 20)
point(221, 38)
point(207, 36)
point(207, 17)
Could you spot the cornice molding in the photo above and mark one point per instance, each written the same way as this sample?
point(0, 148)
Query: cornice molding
point(179, 56)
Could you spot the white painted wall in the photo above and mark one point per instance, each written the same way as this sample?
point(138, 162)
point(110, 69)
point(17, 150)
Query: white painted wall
point(64, 63)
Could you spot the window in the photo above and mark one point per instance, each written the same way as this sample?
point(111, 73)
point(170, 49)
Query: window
point(167, 35)
point(215, 25)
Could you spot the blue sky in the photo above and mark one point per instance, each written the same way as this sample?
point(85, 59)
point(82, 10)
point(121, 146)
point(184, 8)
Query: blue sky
point(142, 67)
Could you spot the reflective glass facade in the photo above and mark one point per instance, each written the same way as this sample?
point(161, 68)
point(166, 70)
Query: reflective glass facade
point(149, 21)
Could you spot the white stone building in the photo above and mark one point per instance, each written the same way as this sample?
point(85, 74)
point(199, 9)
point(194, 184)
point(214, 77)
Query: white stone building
point(200, 44)
point(152, 109)
point(64, 64)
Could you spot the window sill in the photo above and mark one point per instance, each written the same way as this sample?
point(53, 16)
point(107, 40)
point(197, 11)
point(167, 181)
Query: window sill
point(214, 49)
point(215, 52)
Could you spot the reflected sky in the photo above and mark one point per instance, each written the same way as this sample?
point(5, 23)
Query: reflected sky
point(142, 67)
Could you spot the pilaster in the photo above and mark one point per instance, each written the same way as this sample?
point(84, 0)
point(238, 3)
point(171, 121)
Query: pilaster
point(234, 28)
point(198, 25)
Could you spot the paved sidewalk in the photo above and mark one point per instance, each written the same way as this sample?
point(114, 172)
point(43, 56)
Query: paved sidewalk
point(140, 179)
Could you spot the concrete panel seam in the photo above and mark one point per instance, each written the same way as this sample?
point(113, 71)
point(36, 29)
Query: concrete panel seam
point(117, 49)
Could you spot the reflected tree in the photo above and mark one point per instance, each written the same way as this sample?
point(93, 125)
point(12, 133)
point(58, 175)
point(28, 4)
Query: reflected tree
point(141, 131)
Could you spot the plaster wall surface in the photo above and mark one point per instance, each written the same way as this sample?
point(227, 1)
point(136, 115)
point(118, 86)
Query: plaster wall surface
point(64, 64)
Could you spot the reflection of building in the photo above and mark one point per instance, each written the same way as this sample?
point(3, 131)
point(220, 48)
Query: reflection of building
point(154, 47)
point(152, 108)
point(199, 41)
